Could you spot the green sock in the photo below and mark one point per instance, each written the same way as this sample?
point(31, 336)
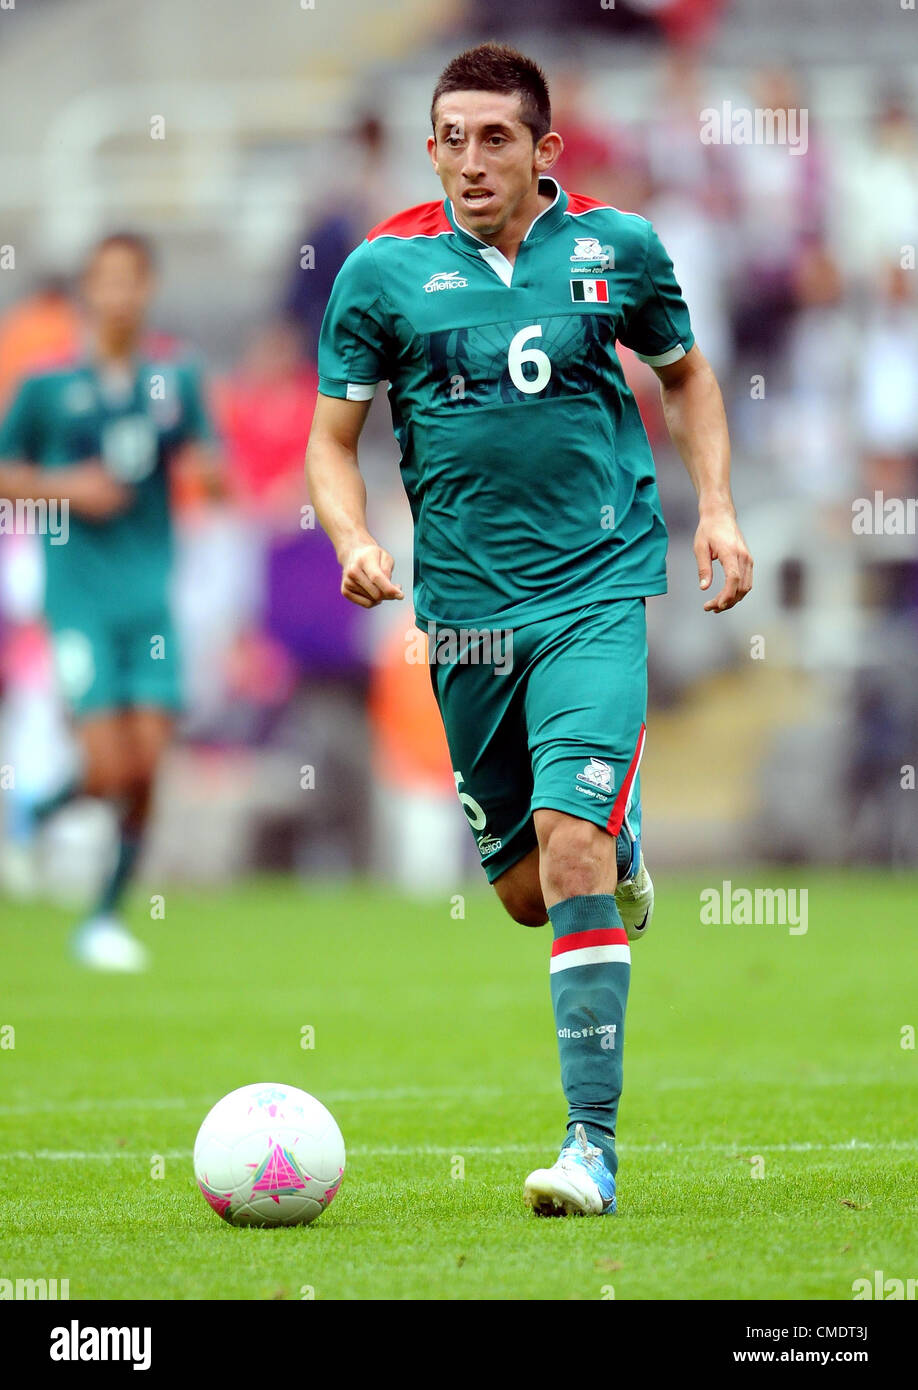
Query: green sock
point(114, 886)
point(590, 973)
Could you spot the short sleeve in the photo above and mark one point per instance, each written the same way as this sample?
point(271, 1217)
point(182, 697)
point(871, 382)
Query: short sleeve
point(18, 438)
point(657, 325)
point(353, 343)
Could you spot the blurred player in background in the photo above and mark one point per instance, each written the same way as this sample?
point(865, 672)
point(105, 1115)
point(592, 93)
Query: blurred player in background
point(97, 436)
point(494, 315)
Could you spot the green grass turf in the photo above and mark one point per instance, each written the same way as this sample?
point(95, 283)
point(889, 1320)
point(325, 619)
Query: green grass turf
point(434, 1042)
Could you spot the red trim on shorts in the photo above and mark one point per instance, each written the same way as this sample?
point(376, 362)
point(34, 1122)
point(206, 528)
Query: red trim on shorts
point(617, 814)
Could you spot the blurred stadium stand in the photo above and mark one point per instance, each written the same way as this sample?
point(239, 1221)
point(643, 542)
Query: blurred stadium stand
point(287, 125)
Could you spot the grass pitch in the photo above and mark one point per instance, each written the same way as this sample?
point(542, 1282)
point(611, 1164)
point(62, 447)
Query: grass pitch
point(767, 1129)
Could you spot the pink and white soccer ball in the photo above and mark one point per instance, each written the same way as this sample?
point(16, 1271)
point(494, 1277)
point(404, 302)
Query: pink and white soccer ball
point(269, 1155)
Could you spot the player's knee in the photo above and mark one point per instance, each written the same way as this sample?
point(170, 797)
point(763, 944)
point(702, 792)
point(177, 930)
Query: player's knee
point(578, 859)
point(107, 780)
point(521, 895)
point(529, 911)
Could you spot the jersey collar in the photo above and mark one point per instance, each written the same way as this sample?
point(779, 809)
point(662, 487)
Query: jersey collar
point(548, 220)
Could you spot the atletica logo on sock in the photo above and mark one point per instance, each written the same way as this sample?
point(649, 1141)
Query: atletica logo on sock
point(606, 1030)
point(76, 1343)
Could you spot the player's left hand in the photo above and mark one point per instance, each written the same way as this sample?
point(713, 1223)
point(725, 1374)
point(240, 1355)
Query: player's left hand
point(719, 538)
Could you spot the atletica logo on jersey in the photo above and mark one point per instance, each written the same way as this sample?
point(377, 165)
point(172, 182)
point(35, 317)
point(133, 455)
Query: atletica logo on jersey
point(590, 291)
point(488, 844)
point(597, 774)
point(446, 280)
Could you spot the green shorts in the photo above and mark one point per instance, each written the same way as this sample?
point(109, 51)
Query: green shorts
point(551, 714)
point(106, 663)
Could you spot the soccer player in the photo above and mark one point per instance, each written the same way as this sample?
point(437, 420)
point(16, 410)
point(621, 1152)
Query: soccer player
point(96, 436)
point(494, 316)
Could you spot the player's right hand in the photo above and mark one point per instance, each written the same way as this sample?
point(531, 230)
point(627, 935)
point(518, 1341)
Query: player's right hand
point(366, 576)
point(93, 493)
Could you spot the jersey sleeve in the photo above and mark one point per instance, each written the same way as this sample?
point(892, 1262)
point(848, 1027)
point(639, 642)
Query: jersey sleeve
point(657, 325)
point(18, 428)
point(354, 341)
point(197, 426)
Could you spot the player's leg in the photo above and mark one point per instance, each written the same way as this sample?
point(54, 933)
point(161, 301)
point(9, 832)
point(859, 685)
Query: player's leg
point(483, 717)
point(520, 890)
point(586, 702)
point(520, 887)
point(123, 693)
point(85, 670)
point(148, 674)
point(143, 735)
point(102, 941)
point(589, 977)
point(90, 680)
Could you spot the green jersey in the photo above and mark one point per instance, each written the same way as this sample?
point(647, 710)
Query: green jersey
point(133, 424)
point(529, 474)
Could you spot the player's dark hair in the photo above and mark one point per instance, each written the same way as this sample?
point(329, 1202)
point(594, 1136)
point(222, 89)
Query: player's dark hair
point(495, 67)
point(140, 245)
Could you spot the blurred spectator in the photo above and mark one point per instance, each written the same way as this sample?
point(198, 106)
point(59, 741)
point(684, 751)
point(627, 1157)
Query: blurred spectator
point(358, 195)
point(601, 158)
point(888, 395)
point(812, 435)
point(37, 330)
point(680, 21)
point(783, 202)
point(264, 409)
point(876, 210)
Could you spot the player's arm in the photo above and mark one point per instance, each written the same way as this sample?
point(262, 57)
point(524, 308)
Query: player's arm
point(694, 411)
point(87, 487)
point(656, 325)
point(198, 456)
point(339, 495)
point(354, 355)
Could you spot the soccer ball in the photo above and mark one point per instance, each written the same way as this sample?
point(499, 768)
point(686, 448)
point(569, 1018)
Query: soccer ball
point(269, 1155)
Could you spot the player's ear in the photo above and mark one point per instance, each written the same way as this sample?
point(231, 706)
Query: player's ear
point(548, 151)
point(432, 151)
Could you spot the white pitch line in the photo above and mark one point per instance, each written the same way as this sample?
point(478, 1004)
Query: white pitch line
point(384, 1095)
point(485, 1150)
point(203, 1103)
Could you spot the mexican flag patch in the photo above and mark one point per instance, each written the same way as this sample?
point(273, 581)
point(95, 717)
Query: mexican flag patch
point(590, 291)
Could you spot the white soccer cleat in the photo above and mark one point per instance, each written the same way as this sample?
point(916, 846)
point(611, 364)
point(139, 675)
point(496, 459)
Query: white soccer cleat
point(634, 899)
point(104, 943)
point(577, 1184)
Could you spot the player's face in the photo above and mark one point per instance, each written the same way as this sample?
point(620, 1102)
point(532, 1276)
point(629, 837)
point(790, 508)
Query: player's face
point(485, 158)
point(117, 289)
